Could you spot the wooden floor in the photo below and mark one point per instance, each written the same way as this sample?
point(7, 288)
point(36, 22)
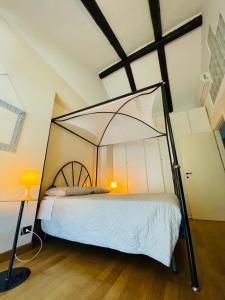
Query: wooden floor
point(67, 270)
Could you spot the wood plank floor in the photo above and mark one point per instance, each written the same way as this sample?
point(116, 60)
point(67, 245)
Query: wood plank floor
point(67, 270)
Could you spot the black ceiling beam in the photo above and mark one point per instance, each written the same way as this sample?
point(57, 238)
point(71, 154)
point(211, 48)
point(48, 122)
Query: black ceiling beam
point(156, 18)
point(154, 7)
point(164, 74)
point(103, 24)
point(130, 77)
point(171, 36)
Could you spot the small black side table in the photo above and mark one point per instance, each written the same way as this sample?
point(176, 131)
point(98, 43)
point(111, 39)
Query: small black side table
point(14, 276)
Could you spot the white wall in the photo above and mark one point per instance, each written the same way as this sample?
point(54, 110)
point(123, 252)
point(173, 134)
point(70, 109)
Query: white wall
point(36, 84)
point(79, 77)
point(62, 148)
point(211, 11)
point(63, 34)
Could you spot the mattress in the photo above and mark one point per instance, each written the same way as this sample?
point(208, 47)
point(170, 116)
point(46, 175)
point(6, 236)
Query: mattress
point(136, 223)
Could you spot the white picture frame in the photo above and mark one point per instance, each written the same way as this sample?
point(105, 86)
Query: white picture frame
point(11, 127)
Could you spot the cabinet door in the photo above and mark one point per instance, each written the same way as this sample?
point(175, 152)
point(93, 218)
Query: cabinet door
point(166, 168)
point(120, 167)
point(154, 166)
point(136, 168)
point(199, 120)
point(102, 164)
point(204, 175)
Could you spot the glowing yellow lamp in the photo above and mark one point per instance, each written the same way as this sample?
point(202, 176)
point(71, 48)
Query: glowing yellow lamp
point(113, 185)
point(28, 179)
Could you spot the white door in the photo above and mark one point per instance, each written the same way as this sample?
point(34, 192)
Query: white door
point(204, 175)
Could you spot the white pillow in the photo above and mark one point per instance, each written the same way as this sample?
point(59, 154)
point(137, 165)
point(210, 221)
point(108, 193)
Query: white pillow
point(58, 191)
point(75, 190)
point(98, 190)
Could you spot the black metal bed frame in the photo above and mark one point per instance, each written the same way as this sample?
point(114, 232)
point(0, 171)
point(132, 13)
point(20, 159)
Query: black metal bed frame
point(175, 167)
point(83, 171)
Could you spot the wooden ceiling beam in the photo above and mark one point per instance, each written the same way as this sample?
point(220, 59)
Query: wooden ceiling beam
point(154, 7)
point(103, 24)
point(171, 36)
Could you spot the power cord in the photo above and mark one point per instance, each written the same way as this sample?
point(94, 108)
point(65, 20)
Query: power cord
point(35, 255)
point(39, 250)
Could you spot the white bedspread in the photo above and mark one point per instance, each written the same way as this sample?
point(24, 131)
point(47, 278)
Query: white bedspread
point(136, 223)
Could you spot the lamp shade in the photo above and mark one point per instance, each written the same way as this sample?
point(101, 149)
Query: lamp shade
point(29, 178)
point(113, 185)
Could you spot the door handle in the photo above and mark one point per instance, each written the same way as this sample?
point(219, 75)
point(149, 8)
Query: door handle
point(187, 174)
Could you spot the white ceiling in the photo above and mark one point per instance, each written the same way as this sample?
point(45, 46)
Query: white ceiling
point(184, 66)
point(67, 26)
point(174, 12)
point(130, 21)
point(64, 29)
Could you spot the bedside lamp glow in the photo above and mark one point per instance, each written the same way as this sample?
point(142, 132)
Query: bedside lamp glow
point(28, 179)
point(113, 185)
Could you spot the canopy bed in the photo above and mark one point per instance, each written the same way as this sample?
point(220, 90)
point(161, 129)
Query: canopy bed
point(136, 223)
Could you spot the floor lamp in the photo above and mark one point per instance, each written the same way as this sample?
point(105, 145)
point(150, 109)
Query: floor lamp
point(15, 276)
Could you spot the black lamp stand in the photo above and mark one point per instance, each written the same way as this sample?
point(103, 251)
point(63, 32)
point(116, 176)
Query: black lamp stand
point(14, 276)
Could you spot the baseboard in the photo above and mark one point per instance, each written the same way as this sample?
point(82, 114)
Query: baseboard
point(21, 249)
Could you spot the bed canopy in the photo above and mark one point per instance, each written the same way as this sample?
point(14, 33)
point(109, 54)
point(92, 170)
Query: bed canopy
point(122, 119)
point(128, 118)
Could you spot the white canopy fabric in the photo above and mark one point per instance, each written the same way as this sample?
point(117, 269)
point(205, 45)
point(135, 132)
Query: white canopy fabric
point(126, 119)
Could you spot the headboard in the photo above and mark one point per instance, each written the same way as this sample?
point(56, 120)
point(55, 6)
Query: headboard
point(72, 173)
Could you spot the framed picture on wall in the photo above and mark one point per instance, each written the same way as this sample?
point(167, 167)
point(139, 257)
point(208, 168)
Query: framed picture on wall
point(11, 115)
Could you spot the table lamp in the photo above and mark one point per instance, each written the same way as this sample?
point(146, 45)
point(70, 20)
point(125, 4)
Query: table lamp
point(15, 276)
point(28, 179)
point(113, 185)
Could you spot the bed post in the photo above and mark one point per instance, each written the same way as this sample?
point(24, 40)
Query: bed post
point(96, 167)
point(180, 191)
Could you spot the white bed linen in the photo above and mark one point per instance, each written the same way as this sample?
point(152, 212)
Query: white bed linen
point(45, 211)
point(135, 223)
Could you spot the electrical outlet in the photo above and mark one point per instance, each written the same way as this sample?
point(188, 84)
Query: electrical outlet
point(26, 230)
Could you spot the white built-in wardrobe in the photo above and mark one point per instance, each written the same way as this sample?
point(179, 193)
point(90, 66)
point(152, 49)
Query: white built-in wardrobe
point(144, 166)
